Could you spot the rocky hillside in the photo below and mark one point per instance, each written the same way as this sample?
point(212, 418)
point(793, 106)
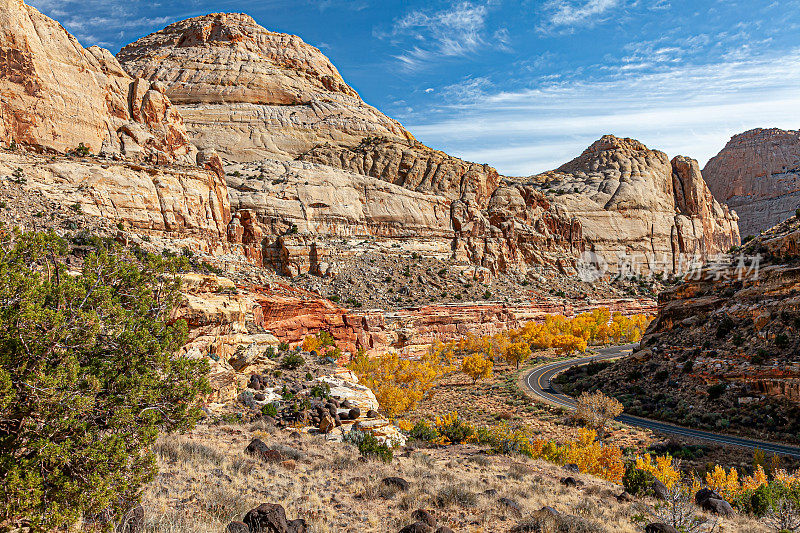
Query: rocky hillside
point(250, 93)
point(57, 95)
point(634, 201)
point(724, 346)
point(758, 174)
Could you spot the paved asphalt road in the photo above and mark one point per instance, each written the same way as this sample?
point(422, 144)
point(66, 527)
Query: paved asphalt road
point(539, 381)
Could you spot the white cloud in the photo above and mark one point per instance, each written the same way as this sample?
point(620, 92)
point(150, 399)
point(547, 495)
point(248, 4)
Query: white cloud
point(568, 13)
point(681, 109)
point(457, 31)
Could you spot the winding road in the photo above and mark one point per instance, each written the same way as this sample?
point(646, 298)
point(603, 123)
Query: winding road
point(539, 381)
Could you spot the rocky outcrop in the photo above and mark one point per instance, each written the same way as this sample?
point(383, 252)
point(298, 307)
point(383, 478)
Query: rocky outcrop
point(176, 201)
point(518, 229)
point(725, 337)
point(635, 203)
point(57, 95)
point(251, 93)
point(412, 165)
point(758, 174)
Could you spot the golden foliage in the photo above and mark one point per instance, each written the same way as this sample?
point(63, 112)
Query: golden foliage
point(476, 366)
point(517, 353)
point(661, 467)
point(590, 455)
point(398, 383)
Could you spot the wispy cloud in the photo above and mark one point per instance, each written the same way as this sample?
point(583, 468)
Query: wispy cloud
point(428, 36)
point(681, 109)
point(568, 14)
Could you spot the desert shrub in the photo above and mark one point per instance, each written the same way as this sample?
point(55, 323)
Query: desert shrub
point(423, 431)
point(453, 429)
point(283, 347)
point(81, 150)
point(270, 352)
point(369, 446)
point(636, 481)
point(716, 390)
point(596, 410)
point(320, 343)
point(88, 378)
point(321, 391)
point(292, 360)
point(725, 326)
point(269, 409)
point(455, 495)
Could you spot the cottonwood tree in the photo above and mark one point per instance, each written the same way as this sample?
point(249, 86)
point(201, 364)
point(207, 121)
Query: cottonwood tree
point(477, 367)
point(596, 410)
point(88, 379)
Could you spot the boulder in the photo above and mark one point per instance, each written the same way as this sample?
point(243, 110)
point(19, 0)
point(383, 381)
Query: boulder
point(659, 490)
point(426, 517)
point(267, 518)
point(397, 482)
point(704, 494)
point(417, 527)
point(509, 504)
point(257, 448)
point(572, 468)
point(717, 506)
point(327, 423)
point(659, 527)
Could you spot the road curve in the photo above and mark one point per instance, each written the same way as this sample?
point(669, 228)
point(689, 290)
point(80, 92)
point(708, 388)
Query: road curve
point(539, 381)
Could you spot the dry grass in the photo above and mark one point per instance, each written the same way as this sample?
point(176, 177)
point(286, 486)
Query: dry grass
point(206, 481)
point(502, 397)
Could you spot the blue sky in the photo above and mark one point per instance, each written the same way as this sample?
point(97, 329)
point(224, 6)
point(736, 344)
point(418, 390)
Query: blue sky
point(526, 85)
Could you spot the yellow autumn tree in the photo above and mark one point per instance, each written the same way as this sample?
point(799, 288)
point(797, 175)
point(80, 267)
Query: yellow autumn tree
point(476, 366)
point(567, 344)
point(398, 383)
point(517, 353)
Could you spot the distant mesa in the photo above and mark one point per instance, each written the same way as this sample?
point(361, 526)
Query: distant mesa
point(758, 174)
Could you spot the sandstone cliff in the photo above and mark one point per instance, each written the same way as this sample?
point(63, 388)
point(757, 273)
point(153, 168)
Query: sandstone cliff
point(251, 93)
point(726, 337)
point(57, 95)
point(635, 202)
point(758, 174)
point(167, 200)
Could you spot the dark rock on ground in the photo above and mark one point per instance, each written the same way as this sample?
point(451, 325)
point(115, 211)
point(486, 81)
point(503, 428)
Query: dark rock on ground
point(660, 528)
point(257, 448)
point(717, 506)
point(417, 527)
point(509, 503)
point(426, 517)
point(704, 494)
point(398, 482)
point(660, 491)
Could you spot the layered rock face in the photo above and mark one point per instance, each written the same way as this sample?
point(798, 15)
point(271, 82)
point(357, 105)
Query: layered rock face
point(412, 165)
point(57, 95)
point(251, 93)
point(178, 201)
point(635, 202)
point(758, 174)
point(724, 338)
